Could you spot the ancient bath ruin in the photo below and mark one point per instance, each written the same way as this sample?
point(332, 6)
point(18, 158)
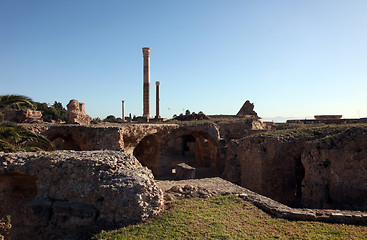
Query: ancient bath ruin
point(104, 176)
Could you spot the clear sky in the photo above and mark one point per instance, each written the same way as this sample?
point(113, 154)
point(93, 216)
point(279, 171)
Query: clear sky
point(291, 58)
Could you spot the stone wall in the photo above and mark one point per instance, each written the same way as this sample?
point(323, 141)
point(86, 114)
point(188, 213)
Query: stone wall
point(21, 116)
point(336, 171)
point(321, 167)
point(70, 195)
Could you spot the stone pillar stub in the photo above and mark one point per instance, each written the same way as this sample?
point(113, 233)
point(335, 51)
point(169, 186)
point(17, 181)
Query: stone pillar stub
point(146, 87)
point(157, 83)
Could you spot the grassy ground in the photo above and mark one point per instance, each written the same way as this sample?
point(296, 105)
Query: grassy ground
point(229, 217)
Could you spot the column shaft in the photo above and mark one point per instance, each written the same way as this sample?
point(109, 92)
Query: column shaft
point(146, 91)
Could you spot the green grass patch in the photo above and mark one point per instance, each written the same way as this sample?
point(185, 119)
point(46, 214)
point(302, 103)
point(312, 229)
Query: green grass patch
point(229, 217)
point(310, 131)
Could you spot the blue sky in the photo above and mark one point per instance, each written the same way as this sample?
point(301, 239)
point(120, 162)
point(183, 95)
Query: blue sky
point(292, 59)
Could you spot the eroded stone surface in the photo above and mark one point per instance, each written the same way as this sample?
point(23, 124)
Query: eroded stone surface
point(336, 171)
point(73, 194)
point(21, 116)
point(311, 167)
point(247, 109)
point(76, 113)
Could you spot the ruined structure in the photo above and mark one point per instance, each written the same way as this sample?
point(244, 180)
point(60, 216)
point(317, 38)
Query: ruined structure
point(123, 111)
point(277, 164)
point(247, 109)
point(146, 89)
point(160, 147)
point(73, 194)
point(327, 117)
point(76, 113)
point(336, 171)
point(157, 115)
point(320, 167)
point(22, 116)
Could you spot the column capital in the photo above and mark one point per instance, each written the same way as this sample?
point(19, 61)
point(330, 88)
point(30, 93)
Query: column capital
point(146, 52)
point(157, 83)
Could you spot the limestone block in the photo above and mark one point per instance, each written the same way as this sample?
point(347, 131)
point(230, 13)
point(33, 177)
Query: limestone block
point(184, 171)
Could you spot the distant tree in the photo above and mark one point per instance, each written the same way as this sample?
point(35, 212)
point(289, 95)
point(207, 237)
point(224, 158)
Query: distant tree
point(200, 112)
point(55, 112)
point(110, 119)
point(187, 112)
point(174, 116)
point(193, 113)
point(97, 119)
point(57, 105)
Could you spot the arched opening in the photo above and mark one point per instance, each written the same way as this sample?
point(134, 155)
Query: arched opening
point(161, 154)
point(68, 142)
point(299, 176)
point(197, 149)
point(147, 153)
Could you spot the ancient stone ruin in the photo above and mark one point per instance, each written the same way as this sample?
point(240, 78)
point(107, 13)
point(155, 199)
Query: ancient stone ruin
point(76, 113)
point(74, 194)
point(315, 168)
point(22, 116)
point(247, 109)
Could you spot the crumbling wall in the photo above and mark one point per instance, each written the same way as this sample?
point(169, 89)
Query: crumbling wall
point(76, 113)
point(21, 116)
point(320, 167)
point(70, 194)
point(247, 109)
point(336, 171)
point(268, 167)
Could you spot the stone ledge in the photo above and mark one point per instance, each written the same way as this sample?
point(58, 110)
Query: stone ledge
point(218, 186)
point(304, 214)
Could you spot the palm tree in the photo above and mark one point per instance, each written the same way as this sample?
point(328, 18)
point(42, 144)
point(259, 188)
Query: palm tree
point(15, 102)
point(15, 138)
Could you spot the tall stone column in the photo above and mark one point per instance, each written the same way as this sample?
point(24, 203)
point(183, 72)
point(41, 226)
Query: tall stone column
point(157, 83)
point(123, 110)
point(146, 91)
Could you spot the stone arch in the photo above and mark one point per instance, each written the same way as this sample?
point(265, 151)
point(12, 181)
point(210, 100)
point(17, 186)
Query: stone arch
point(162, 152)
point(196, 148)
point(147, 152)
point(67, 141)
